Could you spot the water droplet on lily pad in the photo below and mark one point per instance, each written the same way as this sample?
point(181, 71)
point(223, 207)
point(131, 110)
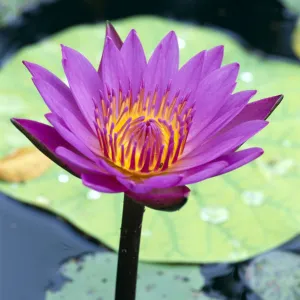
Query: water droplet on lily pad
point(238, 255)
point(93, 195)
point(253, 198)
point(235, 243)
point(214, 214)
point(146, 233)
point(246, 77)
point(276, 167)
point(14, 185)
point(63, 178)
point(281, 167)
point(42, 200)
point(286, 144)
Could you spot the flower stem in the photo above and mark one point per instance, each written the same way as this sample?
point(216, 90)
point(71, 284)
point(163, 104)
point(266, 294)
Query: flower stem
point(129, 249)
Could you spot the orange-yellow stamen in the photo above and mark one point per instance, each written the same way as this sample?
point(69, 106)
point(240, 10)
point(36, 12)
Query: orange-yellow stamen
point(144, 135)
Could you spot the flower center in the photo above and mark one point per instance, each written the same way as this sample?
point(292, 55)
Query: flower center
point(142, 134)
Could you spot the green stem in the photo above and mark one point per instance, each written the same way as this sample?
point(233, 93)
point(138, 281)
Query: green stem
point(129, 249)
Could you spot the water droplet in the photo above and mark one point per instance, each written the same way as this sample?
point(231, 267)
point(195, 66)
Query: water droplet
point(93, 195)
point(253, 198)
point(235, 243)
point(281, 167)
point(14, 185)
point(42, 200)
point(146, 233)
point(63, 178)
point(181, 43)
point(246, 76)
point(286, 144)
point(238, 255)
point(214, 214)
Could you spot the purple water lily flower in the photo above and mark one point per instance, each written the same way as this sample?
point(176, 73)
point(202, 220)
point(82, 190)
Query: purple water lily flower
point(146, 128)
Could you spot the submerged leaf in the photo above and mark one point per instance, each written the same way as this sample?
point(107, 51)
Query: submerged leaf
point(23, 164)
point(275, 275)
point(94, 277)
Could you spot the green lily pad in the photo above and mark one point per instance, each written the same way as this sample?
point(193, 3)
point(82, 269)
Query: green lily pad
point(94, 277)
point(228, 218)
point(275, 276)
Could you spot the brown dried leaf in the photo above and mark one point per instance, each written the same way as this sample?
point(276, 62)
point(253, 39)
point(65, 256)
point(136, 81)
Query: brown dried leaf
point(24, 164)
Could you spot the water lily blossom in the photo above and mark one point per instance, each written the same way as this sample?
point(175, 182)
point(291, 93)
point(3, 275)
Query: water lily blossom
point(146, 128)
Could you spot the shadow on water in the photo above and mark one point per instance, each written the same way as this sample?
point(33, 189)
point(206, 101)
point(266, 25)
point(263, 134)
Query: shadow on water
point(34, 243)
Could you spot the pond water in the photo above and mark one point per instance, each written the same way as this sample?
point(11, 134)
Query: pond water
point(34, 243)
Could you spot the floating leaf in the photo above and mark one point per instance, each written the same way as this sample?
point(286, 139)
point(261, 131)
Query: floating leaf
point(23, 164)
point(94, 277)
point(228, 218)
point(275, 276)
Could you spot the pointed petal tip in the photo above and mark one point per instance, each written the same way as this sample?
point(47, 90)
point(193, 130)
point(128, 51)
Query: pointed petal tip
point(31, 67)
point(65, 50)
point(112, 33)
point(26, 63)
point(133, 34)
point(277, 100)
point(240, 158)
point(14, 121)
point(44, 138)
point(18, 123)
point(219, 49)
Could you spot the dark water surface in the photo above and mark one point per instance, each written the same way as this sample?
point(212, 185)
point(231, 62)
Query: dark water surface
point(35, 243)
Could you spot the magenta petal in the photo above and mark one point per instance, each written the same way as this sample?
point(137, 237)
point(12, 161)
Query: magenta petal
point(220, 145)
point(80, 162)
point(258, 110)
point(102, 183)
point(69, 136)
point(189, 75)
point(204, 172)
point(113, 34)
point(230, 110)
point(208, 131)
point(55, 93)
point(134, 60)
point(238, 135)
point(84, 82)
point(160, 181)
point(198, 67)
point(212, 93)
point(171, 56)
point(162, 198)
point(46, 139)
point(113, 70)
point(162, 65)
point(237, 100)
point(213, 60)
point(237, 159)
